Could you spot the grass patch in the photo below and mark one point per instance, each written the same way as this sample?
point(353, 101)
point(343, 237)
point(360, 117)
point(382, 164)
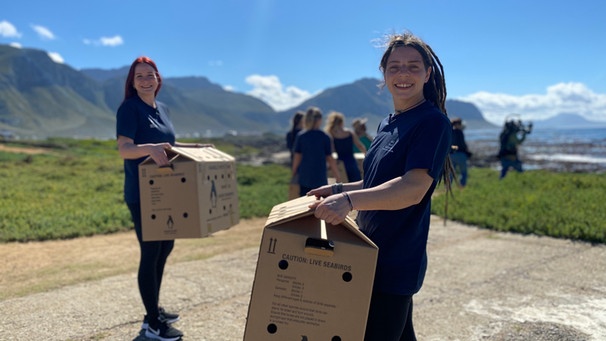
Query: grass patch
point(561, 205)
point(76, 190)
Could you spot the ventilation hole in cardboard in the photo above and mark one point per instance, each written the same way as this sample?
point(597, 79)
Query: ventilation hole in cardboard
point(283, 264)
point(224, 207)
point(208, 177)
point(153, 216)
point(272, 328)
point(210, 211)
point(347, 276)
point(185, 215)
point(222, 176)
point(183, 180)
point(216, 177)
point(151, 182)
point(336, 338)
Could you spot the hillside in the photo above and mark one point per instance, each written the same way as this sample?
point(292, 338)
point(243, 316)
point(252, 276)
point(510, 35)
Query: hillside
point(571, 121)
point(364, 98)
point(40, 98)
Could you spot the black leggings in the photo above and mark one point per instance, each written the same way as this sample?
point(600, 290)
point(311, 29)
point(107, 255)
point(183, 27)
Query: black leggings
point(390, 318)
point(151, 265)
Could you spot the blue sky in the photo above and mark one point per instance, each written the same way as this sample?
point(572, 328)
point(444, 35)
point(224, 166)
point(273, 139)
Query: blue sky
point(534, 58)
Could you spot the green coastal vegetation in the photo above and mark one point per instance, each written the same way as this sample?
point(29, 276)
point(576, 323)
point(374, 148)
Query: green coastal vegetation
point(64, 188)
point(561, 205)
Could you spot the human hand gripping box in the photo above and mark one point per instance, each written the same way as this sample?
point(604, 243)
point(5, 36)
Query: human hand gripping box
point(194, 197)
point(313, 280)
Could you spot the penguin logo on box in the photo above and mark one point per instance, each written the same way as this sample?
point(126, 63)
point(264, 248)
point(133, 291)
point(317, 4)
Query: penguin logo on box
point(213, 194)
point(170, 223)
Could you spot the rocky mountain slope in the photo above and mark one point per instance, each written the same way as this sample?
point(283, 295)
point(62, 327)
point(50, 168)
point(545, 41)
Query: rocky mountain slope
point(41, 98)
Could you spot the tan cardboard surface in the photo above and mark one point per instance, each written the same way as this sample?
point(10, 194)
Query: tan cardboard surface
point(313, 280)
point(194, 197)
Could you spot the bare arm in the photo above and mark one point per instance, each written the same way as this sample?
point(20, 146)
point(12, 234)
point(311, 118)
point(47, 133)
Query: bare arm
point(296, 161)
point(332, 163)
point(193, 145)
point(129, 150)
point(394, 194)
point(326, 190)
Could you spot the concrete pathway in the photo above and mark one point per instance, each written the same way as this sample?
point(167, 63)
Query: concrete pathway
point(481, 285)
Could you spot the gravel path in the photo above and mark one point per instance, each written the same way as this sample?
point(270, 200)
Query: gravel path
point(481, 285)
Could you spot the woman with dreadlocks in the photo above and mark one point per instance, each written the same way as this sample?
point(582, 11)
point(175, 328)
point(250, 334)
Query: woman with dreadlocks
point(402, 168)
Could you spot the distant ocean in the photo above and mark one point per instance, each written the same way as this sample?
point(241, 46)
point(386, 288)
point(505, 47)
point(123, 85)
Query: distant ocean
point(586, 146)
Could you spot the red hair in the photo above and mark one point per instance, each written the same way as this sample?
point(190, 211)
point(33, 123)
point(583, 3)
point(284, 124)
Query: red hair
point(129, 88)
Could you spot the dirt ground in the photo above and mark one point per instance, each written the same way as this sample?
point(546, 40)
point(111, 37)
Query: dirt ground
point(23, 150)
point(481, 285)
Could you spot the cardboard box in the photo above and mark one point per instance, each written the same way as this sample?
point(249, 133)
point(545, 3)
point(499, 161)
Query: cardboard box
point(313, 280)
point(194, 197)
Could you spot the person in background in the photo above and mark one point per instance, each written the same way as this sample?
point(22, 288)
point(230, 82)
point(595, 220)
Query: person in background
point(291, 135)
point(513, 134)
point(312, 151)
point(359, 126)
point(407, 159)
point(343, 141)
point(143, 129)
point(295, 128)
point(459, 152)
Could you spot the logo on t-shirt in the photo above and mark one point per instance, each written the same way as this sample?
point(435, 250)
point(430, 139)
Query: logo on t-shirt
point(153, 123)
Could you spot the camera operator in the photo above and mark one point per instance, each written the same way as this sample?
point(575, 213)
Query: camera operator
point(513, 134)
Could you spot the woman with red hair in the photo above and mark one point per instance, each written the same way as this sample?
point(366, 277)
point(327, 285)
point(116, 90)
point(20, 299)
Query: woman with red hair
point(143, 129)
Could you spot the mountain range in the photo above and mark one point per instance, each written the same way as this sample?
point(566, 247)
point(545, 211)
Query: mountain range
point(40, 98)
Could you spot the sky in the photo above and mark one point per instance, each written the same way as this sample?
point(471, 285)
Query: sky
point(533, 58)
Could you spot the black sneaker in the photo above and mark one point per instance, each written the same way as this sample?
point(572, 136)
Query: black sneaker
point(164, 316)
point(168, 317)
point(163, 332)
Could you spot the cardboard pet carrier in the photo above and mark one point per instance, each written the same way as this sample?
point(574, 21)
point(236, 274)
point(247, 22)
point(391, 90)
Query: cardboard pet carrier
point(194, 197)
point(313, 279)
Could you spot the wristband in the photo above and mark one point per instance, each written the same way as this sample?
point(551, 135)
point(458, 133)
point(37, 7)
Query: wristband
point(337, 188)
point(348, 200)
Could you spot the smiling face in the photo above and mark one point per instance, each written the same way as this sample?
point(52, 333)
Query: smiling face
point(405, 75)
point(145, 81)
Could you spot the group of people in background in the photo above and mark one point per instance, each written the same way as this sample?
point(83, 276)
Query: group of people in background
point(345, 143)
point(311, 149)
point(510, 138)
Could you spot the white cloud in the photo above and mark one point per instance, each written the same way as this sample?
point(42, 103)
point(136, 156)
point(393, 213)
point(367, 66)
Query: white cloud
point(43, 32)
point(112, 41)
point(15, 45)
point(561, 98)
point(105, 41)
point(8, 30)
point(270, 90)
point(56, 57)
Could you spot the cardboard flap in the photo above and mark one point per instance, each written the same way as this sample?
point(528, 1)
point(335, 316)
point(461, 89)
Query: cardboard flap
point(203, 154)
point(195, 154)
point(299, 208)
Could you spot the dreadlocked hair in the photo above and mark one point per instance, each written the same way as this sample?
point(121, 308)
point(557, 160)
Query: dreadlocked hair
point(434, 90)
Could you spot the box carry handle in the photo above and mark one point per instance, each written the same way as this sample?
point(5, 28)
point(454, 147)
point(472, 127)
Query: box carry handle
point(170, 167)
point(166, 169)
point(320, 246)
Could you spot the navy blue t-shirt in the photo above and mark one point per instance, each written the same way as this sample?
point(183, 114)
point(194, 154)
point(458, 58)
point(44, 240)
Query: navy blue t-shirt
point(144, 124)
point(417, 139)
point(314, 145)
